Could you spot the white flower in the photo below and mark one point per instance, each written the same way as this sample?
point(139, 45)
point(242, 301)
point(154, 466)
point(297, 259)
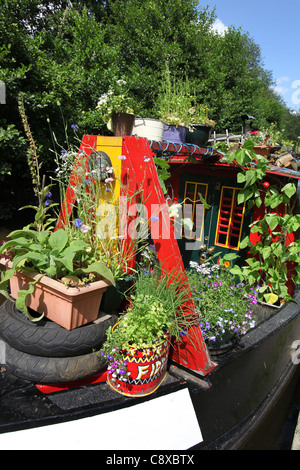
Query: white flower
point(173, 210)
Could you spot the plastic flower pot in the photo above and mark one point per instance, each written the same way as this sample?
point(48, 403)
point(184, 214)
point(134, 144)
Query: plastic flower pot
point(199, 135)
point(175, 134)
point(69, 307)
point(146, 370)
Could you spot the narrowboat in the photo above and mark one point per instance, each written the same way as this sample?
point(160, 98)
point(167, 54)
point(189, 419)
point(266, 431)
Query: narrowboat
point(237, 399)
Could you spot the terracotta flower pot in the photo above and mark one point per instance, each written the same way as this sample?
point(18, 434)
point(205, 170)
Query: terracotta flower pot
point(69, 307)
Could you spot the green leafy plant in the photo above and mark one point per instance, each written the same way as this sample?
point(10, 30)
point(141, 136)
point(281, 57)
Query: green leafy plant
point(53, 254)
point(224, 307)
point(174, 101)
point(273, 257)
point(157, 312)
point(199, 115)
point(116, 100)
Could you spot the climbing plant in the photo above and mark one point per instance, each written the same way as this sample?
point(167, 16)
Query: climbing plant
point(274, 257)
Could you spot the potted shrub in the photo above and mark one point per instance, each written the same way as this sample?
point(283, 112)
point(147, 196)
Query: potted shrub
point(200, 125)
point(225, 308)
point(137, 347)
point(116, 109)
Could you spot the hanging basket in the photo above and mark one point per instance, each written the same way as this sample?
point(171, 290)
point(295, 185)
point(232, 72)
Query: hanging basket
point(122, 123)
point(147, 369)
point(153, 129)
point(175, 134)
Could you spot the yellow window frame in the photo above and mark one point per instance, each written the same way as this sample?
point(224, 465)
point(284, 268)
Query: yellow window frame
point(194, 202)
point(230, 220)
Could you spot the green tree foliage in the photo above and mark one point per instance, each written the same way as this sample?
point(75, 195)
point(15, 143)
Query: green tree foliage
point(63, 55)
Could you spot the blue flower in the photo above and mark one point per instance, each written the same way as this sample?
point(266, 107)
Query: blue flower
point(47, 202)
point(49, 194)
point(74, 127)
point(183, 333)
point(78, 223)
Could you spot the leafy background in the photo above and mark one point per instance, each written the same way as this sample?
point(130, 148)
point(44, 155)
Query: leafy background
point(63, 55)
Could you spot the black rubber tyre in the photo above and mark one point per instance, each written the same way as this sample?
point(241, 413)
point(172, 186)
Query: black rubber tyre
point(46, 338)
point(46, 370)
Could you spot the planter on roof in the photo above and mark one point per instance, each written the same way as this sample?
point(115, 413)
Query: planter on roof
point(153, 129)
point(199, 135)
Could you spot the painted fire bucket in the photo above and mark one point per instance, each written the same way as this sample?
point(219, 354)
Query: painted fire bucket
point(146, 370)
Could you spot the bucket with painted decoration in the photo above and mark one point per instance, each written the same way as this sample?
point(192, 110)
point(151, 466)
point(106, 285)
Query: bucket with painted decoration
point(146, 370)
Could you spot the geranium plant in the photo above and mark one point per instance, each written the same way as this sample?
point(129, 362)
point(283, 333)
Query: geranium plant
point(225, 308)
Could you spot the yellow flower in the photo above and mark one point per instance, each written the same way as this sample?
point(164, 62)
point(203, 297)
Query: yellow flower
point(226, 264)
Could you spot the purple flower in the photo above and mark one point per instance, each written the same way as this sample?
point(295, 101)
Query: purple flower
point(154, 218)
point(78, 223)
point(63, 152)
point(49, 194)
point(47, 202)
point(74, 127)
point(183, 333)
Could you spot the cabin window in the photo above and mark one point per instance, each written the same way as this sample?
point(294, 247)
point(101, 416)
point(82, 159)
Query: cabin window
point(194, 209)
point(230, 219)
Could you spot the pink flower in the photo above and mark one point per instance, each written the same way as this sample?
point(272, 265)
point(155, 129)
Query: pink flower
point(108, 180)
point(84, 228)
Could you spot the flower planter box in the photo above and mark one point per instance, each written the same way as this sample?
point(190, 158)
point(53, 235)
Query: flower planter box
point(69, 307)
